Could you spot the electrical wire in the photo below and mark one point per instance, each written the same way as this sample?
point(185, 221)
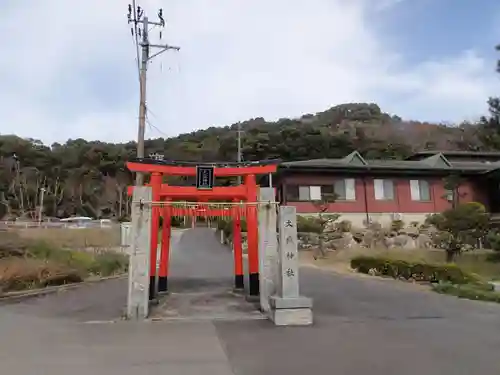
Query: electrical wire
point(136, 41)
point(152, 126)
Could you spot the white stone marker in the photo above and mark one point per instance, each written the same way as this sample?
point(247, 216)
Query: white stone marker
point(268, 247)
point(138, 273)
point(287, 306)
point(126, 235)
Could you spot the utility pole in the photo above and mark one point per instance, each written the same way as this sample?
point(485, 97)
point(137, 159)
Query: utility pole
point(40, 211)
point(136, 17)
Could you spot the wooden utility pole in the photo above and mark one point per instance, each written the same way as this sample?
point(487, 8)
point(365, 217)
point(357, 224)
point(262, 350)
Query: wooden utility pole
point(140, 29)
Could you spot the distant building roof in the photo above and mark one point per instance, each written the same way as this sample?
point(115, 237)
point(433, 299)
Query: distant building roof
point(431, 161)
point(457, 154)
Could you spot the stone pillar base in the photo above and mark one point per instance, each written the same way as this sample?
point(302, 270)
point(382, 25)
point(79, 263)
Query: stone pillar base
point(291, 311)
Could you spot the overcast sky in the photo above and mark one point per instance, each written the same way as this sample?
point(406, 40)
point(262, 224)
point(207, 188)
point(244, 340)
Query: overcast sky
point(68, 67)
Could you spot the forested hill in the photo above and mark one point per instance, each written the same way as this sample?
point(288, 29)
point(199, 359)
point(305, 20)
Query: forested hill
point(88, 177)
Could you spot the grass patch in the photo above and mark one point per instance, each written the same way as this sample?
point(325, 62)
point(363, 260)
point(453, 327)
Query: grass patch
point(467, 291)
point(21, 273)
point(70, 238)
point(27, 264)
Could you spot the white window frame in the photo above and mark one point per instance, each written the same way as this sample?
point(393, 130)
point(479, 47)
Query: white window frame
point(379, 187)
point(301, 195)
point(349, 187)
point(313, 193)
point(416, 188)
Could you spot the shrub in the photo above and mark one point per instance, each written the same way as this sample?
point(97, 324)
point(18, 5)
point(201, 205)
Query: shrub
point(175, 222)
point(397, 225)
point(493, 240)
point(307, 224)
point(226, 225)
point(221, 224)
point(107, 264)
point(419, 271)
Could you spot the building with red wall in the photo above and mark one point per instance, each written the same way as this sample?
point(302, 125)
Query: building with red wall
point(384, 190)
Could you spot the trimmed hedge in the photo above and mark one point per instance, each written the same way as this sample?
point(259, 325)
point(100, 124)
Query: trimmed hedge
point(307, 224)
point(418, 271)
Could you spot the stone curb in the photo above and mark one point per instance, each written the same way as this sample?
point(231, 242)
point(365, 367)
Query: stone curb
point(13, 296)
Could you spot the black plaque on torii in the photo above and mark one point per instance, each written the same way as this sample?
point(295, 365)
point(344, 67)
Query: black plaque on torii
point(204, 177)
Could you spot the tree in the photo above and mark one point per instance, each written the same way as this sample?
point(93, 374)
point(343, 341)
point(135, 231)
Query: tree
point(461, 227)
point(90, 177)
point(324, 220)
point(452, 184)
point(490, 125)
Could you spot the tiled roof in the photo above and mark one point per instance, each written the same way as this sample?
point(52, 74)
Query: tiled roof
point(463, 155)
point(436, 162)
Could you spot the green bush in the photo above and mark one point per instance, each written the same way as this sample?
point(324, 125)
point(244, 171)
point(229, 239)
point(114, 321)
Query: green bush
point(79, 260)
point(103, 264)
point(175, 222)
point(493, 239)
point(468, 291)
point(307, 224)
point(221, 224)
point(107, 264)
point(397, 225)
point(226, 225)
point(419, 271)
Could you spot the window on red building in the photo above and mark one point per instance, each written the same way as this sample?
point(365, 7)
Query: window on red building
point(384, 189)
point(345, 189)
point(303, 193)
point(292, 193)
point(420, 190)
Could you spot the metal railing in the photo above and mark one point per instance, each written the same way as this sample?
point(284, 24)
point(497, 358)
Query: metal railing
point(55, 224)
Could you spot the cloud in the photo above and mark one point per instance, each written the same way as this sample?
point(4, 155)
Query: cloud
point(75, 75)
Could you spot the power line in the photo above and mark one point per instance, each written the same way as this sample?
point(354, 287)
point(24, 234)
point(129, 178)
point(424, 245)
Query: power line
point(152, 126)
point(136, 16)
point(150, 112)
point(135, 36)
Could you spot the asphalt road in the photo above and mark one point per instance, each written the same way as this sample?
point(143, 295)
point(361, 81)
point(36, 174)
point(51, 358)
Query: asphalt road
point(362, 325)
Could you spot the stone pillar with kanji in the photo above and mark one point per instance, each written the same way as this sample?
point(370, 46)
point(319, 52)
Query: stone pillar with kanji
point(288, 307)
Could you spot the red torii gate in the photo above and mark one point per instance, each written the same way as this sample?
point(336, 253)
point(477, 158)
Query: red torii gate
point(162, 192)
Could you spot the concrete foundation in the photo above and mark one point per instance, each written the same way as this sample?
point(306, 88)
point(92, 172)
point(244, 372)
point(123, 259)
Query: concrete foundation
point(291, 311)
